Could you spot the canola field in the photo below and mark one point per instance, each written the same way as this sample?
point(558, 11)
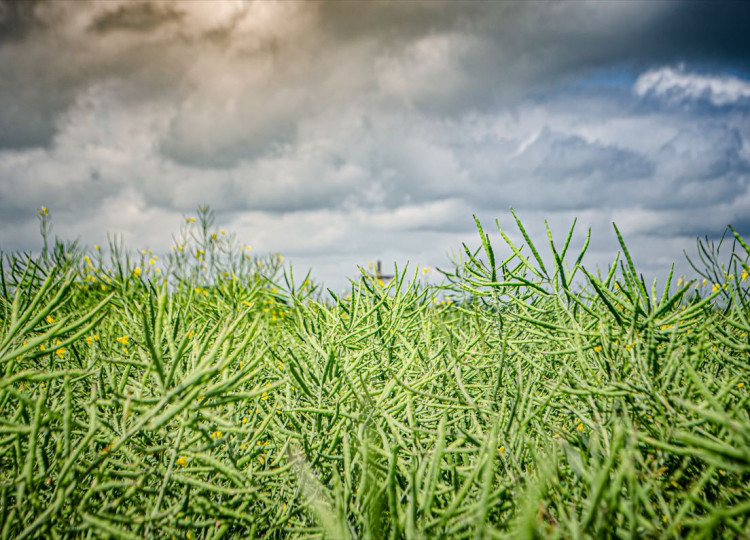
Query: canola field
point(214, 394)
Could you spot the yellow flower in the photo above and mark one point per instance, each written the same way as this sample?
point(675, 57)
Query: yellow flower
point(425, 270)
point(42, 348)
point(60, 352)
point(740, 385)
point(743, 276)
point(579, 427)
point(244, 419)
point(107, 448)
point(182, 461)
point(43, 211)
point(49, 319)
point(190, 220)
point(715, 288)
point(216, 434)
point(598, 348)
point(501, 449)
point(96, 247)
point(123, 339)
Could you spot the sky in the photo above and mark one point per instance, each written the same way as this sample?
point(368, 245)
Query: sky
point(339, 133)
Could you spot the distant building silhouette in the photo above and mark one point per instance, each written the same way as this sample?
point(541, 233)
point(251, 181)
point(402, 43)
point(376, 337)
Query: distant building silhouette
point(379, 274)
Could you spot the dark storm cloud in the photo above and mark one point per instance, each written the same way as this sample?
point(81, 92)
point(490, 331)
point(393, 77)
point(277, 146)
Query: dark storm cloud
point(136, 17)
point(518, 49)
point(441, 57)
point(17, 19)
point(27, 108)
point(47, 61)
point(699, 32)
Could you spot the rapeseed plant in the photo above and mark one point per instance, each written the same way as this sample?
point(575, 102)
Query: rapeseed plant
point(520, 397)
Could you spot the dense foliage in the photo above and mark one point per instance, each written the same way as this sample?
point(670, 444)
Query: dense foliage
point(218, 397)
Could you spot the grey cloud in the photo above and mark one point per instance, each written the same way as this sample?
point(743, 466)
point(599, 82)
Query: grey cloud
point(50, 63)
point(135, 17)
point(559, 171)
point(709, 221)
point(701, 32)
point(354, 131)
point(31, 117)
point(440, 59)
point(492, 55)
point(75, 190)
point(701, 166)
point(17, 19)
point(214, 137)
point(566, 157)
point(706, 152)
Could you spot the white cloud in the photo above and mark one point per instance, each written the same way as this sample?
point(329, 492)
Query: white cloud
point(678, 86)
